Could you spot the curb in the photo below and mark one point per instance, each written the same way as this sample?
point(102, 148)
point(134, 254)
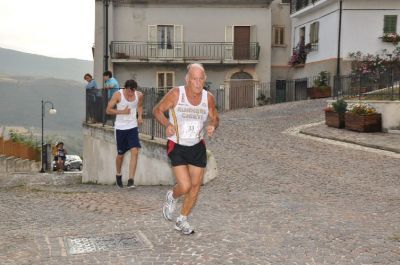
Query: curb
point(394, 150)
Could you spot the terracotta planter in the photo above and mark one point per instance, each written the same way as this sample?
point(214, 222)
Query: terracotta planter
point(363, 123)
point(319, 92)
point(334, 119)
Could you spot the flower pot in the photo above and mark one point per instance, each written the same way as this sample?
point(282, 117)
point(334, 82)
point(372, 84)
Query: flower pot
point(334, 119)
point(318, 92)
point(363, 123)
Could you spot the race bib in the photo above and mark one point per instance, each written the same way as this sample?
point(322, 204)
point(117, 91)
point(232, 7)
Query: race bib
point(191, 130)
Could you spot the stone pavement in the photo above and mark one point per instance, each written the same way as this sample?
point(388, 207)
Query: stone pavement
point(281, 197)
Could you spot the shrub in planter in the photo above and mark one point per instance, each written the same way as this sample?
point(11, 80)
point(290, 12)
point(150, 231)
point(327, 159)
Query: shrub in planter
point(334, 115)
point(320, 88)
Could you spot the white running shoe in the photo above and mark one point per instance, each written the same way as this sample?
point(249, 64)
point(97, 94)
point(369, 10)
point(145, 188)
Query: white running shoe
point(169, 206)
point(184, 227)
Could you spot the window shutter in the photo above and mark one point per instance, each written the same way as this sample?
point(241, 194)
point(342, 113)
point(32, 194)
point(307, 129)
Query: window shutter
point(152, 33)
point(152, 40)
point(390, 24)
point(228, 48)
point(178, 40)
point(253, 33)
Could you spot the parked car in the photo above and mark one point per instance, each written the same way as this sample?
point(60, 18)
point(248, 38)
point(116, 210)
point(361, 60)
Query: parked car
point(71, 162)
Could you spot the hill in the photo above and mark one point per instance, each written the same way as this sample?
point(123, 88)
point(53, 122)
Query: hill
point(25, 64)
point(20, 105)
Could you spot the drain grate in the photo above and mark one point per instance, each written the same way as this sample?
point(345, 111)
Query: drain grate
point(82, 245)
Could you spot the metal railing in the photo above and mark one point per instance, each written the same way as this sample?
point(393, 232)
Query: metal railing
point(297, 5)
point(96, 103)
point(218, 51)
point(382, 86)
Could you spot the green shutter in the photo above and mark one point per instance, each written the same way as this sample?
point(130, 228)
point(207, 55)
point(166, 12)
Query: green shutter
point(390, 24)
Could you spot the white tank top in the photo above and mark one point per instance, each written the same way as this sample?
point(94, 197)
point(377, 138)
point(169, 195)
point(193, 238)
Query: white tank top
point(126, 121)
point(189, 119)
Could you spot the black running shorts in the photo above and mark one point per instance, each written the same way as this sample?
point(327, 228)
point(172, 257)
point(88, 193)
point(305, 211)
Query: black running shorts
point(187, 155)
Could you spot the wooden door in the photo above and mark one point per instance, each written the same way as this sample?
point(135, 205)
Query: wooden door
point(241, 94)
point(241, 43)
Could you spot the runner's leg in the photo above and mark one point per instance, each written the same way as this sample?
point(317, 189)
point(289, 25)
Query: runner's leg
point(133, 162)
point(183, 182)
point(196, 178)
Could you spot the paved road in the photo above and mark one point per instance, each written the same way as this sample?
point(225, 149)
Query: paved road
point(279, 199)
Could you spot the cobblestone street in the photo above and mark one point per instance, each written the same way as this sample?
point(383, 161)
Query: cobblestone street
point(278, 199)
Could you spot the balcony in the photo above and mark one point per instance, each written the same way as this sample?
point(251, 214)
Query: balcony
point(297, 5)
point(184, 52)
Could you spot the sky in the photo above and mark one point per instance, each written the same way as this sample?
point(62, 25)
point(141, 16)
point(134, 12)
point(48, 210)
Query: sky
point(55, 28)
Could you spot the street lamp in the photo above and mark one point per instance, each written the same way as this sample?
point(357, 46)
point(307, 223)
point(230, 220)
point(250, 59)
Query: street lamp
point(51, 111)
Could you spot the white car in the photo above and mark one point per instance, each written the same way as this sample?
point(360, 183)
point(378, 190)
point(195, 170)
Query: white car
point(71, 162)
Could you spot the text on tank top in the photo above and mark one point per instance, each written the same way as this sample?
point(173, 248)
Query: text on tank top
point(189, 119)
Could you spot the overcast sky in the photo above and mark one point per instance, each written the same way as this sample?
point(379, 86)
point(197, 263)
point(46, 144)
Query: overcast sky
point(56, 28)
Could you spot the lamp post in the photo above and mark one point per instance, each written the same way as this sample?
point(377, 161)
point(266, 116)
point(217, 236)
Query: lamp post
point(51, 111)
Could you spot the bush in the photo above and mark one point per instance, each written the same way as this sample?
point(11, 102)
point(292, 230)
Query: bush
point(339, 106)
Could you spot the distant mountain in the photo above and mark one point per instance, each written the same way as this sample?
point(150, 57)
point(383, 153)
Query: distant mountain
point(25, 64)
point(20, 105)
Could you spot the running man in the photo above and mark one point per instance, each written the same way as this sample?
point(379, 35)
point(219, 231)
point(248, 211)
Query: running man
point(189, 108)
point(129, 103)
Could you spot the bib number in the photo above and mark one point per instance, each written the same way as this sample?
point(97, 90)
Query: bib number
point(191, 130)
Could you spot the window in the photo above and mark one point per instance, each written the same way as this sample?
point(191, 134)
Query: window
point(165, 41)
point(165, 36)
point(165, 80)
point(278, 38)
point(314, 33)
point(390, 24)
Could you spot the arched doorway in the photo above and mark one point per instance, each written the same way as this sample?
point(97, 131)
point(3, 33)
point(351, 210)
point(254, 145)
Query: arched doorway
point(241, 92)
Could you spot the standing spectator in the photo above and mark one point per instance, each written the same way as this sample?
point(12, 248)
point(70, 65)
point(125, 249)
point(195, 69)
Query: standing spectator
point(91, 93)
point(110, 83)
point(129, 111)
point(91, 82)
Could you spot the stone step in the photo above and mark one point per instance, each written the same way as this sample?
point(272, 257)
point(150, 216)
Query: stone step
point(12, 164)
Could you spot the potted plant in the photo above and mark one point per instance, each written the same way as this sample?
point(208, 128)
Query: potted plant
point(262, 99)
point(363, 118)
point(321, 89)
point(392, 37)
point(334, 114)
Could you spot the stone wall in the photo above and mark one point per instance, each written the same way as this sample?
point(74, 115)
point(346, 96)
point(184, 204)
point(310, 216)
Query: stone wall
point(99, 152)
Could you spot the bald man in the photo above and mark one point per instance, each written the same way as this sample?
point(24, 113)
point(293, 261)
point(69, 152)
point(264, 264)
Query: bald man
point(192, 113)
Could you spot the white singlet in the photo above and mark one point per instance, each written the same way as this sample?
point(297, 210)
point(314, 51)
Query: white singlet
point(189, 119)
point(126, 121)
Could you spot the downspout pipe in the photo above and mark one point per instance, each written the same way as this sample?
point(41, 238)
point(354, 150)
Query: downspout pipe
point(106, 5)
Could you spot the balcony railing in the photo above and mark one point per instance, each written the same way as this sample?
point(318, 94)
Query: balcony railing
point(297, 5)
point(184, 51)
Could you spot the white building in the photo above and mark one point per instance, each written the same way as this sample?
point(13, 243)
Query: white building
point(152, 41)
point(362, 23)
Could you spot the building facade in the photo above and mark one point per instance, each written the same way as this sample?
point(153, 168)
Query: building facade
point(153, 41)
point(325, 32)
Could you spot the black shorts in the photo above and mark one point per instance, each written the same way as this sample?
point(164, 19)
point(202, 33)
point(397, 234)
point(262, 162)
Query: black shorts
point(127, 139)
point(187, 155)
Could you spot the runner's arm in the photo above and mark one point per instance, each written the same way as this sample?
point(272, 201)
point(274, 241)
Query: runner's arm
point(166, 103)
point(140, 108)
point(111, 104)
